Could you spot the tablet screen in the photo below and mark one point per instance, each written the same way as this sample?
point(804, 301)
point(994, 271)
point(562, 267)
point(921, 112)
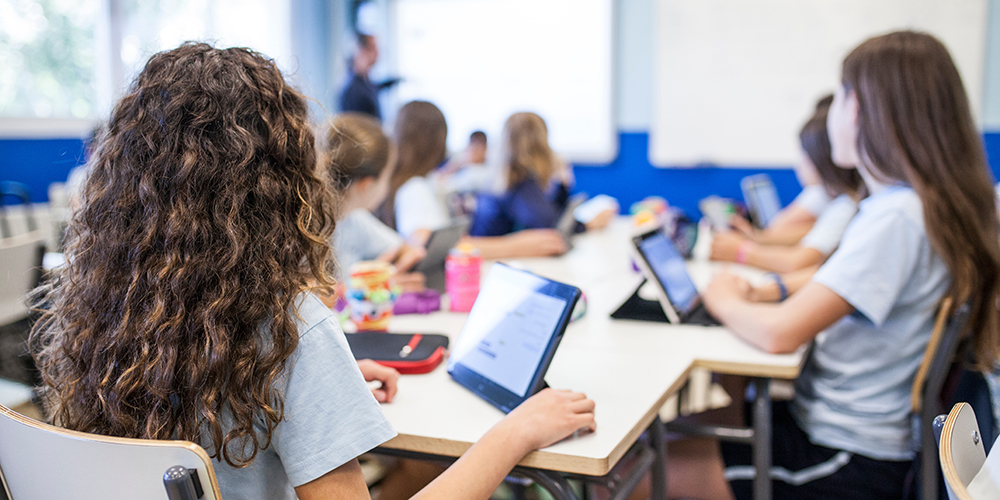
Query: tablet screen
point(511, 333)
point(762, 197)
point(671, 271)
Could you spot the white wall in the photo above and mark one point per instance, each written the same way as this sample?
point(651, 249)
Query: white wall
point(634, 60)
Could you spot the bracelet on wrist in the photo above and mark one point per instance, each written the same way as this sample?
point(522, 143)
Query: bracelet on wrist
point(743, 251)
point(782, 289)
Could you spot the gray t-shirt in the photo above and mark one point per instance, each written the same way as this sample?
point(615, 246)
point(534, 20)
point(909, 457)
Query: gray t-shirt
point(361, 236)
point(854, 391)
point(829, 228)
point(812, 199)
point(331, 416)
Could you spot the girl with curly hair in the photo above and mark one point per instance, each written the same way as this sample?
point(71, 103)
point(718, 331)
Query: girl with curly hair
point(185, 311)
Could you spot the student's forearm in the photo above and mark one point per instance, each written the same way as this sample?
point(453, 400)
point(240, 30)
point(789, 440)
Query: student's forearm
point(480, 470)
point(793, 282)
point(780, 327)
point(785, 234)
point(758, 323)
point(792, 215)
point(783, 259)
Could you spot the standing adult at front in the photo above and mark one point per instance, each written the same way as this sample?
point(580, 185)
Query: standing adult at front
point(360, 94)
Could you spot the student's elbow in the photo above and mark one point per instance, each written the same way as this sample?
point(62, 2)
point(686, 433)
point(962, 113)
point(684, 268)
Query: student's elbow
point(779, 338)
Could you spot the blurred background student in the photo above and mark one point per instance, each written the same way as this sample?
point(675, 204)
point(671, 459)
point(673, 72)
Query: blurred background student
point(359, 161)
point(413, 206)
point(843, 186)
point(535, 183)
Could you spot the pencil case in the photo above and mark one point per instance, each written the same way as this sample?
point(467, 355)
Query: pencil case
point(408, 353)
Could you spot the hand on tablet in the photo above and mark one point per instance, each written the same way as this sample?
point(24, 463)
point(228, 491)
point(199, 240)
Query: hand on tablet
point(374, 372)
point(550, 416)
point(404, 257)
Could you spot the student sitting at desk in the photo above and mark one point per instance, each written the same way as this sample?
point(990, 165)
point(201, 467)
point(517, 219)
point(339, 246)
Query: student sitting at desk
point(359, 160)
point(791, 223)
point(845, 185)
point(413, 205)
point(928, 229)
point(184, 309)
point(530, 168)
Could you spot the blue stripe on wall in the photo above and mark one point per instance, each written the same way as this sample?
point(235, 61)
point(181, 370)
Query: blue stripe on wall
point(631, 177)
point(39, 162)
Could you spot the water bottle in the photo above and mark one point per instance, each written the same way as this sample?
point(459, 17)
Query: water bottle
point(461, 277)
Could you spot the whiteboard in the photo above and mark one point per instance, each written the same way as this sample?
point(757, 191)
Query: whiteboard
point(736, 79)
point(482, 60)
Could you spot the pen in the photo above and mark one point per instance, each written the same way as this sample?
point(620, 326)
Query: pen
point(409, 347)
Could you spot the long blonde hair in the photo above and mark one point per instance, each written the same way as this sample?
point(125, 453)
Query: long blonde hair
point(526, 151)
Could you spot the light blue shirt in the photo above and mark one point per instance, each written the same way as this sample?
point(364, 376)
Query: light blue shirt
point(361, 236)
point(331, 416)
point(854, 391)
point(829, 228)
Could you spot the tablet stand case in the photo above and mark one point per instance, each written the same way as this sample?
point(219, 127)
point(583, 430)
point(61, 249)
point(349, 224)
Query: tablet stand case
point(641, 309)
point(387, 349)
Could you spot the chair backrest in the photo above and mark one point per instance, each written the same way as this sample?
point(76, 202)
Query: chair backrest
point(42, 462)
point(961, 449)
point(927, 385)
point(20, 268)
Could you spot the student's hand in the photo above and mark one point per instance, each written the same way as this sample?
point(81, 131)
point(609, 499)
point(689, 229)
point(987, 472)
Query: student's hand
point(725, 288)
point(601, 220)
point(409, 256)
point(389, 378)
point(537, 243)
point(725, 246)
point(548, 417)
point(742, 226)
point(411, 282)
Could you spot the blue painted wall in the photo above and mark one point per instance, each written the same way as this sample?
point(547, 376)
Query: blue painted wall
point(39, 162)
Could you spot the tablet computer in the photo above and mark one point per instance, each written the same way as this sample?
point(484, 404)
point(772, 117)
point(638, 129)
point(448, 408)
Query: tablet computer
point(511, 335)
point(439, 244)
point(761, 198)
point(567, 222)
point(663, 265)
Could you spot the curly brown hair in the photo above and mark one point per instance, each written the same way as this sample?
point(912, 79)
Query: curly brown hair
point(203, 219)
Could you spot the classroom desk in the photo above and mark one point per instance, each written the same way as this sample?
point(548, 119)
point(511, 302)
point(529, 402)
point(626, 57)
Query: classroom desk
point(629, 368)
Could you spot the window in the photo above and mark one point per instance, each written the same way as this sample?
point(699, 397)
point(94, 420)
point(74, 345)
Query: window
point(47, 52)
point(72, 58)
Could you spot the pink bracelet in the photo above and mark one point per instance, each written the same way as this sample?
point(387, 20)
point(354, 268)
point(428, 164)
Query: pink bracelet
point(743, 251)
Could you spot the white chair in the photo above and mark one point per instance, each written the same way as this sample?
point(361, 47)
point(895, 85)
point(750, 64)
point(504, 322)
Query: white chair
point(963, 457)
point(20, 268)
point(42, 462)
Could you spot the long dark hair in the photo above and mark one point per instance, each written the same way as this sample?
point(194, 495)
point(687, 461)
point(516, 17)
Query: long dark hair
point(915, 127)
point(816, 143)
point(422, 138)
point(203, 218)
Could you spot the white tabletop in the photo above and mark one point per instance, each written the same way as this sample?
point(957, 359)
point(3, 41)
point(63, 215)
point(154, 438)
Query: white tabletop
point(629, 368)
